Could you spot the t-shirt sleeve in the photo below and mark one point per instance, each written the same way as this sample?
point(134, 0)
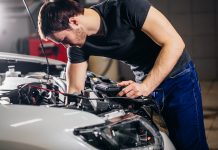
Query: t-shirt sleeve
point(76, 55)
point(135, 12)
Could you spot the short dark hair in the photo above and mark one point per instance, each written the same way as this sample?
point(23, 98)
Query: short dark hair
point(54, 16)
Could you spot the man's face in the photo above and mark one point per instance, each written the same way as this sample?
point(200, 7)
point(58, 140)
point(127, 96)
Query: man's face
point(69, 37)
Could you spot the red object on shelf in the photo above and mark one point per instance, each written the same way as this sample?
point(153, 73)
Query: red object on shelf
point(52, 50)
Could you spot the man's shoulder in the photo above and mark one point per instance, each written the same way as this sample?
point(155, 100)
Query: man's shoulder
point(132, 3)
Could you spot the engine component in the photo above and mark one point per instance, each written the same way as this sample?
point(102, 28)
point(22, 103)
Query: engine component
point(114, 114)
point(109, 89)
point(99, 97)
point(11, 72)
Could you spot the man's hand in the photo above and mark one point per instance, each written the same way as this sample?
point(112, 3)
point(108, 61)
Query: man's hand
point(133, 89)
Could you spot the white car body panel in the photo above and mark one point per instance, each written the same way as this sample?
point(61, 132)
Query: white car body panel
point(32, 127)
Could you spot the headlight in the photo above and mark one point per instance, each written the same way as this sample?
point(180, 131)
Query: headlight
point(130, 131)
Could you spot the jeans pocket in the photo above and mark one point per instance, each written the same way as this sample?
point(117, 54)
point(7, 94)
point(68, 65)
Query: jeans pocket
point(183, 72)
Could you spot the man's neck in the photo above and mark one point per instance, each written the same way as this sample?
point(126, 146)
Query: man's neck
point(91, 20)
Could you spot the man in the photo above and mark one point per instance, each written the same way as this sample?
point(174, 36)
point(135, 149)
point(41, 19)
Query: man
point(136, 33)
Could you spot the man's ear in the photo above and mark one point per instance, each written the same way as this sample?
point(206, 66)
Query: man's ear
point(73, 22)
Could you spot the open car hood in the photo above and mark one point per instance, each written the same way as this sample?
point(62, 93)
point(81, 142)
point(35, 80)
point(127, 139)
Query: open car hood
point(27, 63)
point(13, 58)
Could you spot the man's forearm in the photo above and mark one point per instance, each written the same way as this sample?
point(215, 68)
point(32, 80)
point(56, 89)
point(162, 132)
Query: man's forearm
point(70, 87)
point(164, 64)
point(75, 77)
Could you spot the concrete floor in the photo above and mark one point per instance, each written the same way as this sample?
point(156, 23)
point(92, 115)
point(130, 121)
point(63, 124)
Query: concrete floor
point(210, 107)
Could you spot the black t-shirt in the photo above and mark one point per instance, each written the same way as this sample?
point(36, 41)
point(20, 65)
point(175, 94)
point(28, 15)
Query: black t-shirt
point(122, 38)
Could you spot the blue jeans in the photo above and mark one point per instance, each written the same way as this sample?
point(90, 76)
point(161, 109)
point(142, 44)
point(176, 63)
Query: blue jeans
point(180, 102)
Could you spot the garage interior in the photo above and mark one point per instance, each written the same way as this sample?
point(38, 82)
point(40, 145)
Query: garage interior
point(195, 20)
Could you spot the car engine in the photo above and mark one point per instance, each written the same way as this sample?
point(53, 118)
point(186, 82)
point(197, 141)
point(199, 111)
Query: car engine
point(129, 123)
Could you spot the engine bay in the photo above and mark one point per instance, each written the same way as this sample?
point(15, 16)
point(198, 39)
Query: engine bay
point(128, 122)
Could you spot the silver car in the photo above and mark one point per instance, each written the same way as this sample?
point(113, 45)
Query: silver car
point(34, 115)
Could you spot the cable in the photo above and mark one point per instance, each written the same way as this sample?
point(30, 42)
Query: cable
point(82, 97)
point(86, 98)
point(38, 87)
point(42, 46)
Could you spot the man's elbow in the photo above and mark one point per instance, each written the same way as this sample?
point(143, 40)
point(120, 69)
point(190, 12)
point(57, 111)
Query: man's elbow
point(178, 45)
point(181, 45)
